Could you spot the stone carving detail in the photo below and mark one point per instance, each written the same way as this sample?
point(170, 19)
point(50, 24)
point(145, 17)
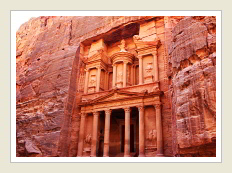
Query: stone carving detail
point(148, 77)
point(152, 135)
point(83, 115)
point(119, 77)
point(141, 108)
point(136, 38)
point(88, 139)
point(127, 110)
point(93, 80)
point(158, 106)
point(108, 112)
point(152, 139)
point(122, 46)
point(149, 69)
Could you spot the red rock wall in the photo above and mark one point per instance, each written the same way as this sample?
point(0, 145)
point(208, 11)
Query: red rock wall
point(192, 60)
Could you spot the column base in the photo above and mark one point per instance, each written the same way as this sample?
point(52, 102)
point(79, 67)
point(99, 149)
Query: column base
point(142, 155)
point(159, 155)
point(93, 156)
point(106, 156)
point(127, 155)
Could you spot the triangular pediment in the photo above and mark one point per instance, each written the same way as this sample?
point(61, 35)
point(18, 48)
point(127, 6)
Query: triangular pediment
point(116, 95)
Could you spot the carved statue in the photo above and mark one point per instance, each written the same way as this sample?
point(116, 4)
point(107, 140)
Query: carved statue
point(152, 135)
point(122, 46)
point(119, 77)
point(93, 80)
point(136, 38)
point(88, 139)
point(149, 69)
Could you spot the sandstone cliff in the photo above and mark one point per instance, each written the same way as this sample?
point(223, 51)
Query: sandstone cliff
point(192, 62)
point(47, 66)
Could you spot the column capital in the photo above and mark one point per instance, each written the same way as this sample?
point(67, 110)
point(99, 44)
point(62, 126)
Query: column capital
point(127, 109)
point(154, 53)
point(87, 69)
point(157, 105)
point(140, 56)
point(140, 108)
point(83, 114)
point(108, 112)
point(98, 67)
point(96, 113)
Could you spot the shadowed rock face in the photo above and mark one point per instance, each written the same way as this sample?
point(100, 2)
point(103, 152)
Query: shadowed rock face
point(47, 71)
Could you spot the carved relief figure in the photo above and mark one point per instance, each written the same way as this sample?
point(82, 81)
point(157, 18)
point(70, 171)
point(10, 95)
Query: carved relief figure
point(152, 135)
point(93, 80)
point(88, 139)
point(119, 76)
point(149, 69)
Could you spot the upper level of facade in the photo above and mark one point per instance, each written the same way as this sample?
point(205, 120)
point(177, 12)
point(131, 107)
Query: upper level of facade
point(124, 58)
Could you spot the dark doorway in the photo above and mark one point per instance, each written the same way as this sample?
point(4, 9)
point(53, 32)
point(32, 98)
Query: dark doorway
point(132, 149)
point(101, 146)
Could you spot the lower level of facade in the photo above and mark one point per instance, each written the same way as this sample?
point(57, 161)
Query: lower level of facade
point(121, 124)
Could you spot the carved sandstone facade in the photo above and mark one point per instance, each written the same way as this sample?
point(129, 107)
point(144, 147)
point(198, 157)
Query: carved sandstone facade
point(133, 92)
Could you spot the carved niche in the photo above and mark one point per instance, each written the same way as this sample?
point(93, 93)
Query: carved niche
point(92, 84)
point(151, 140)
point(119, 82)
point(148, 77)
point(87, 149)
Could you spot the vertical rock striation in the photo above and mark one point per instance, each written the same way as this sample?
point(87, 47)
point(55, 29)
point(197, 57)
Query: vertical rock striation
point(192, 60)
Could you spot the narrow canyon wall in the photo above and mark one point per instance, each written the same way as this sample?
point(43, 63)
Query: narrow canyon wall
point(192, 75)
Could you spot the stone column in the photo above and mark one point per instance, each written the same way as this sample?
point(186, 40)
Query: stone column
point(127, 133)
point(132, 75)
point(98, 79)
point(94, 134)
point(159, 130)
point(86, 81)
point(124, 73)
point(141, 132)
point(107, 133)
point(140, 70)
point(114, 75)
point(81, 135)
point(155, 66)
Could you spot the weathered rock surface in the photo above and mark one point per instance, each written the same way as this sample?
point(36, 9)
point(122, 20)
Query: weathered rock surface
point(193, 91)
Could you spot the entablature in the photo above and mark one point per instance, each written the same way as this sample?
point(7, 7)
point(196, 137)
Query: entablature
point(118, 99)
